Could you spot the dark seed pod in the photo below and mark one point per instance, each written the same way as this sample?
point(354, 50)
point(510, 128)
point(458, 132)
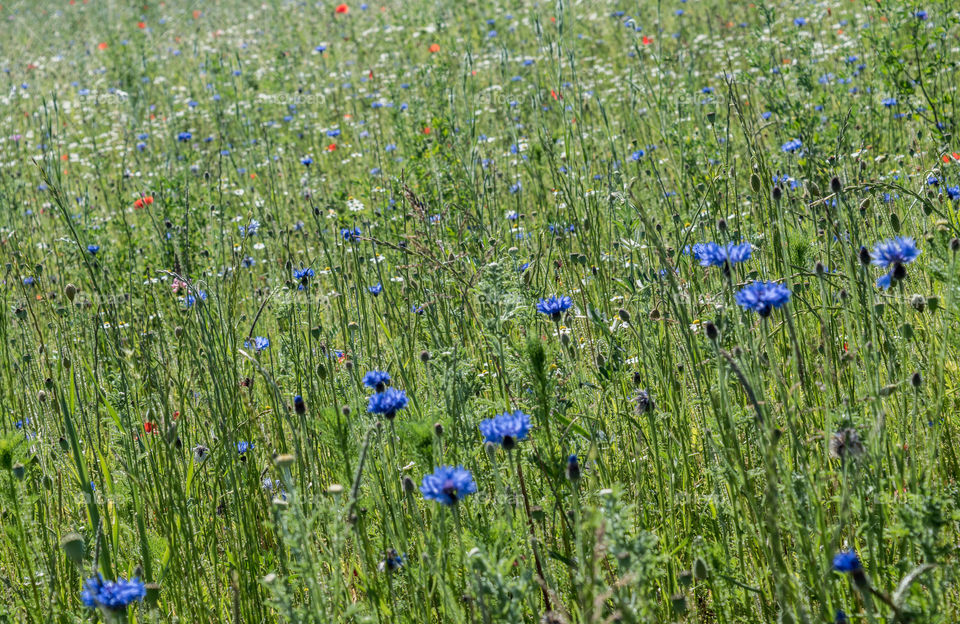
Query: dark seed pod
point(573, 469)
point(899, 271)
point(710, 329)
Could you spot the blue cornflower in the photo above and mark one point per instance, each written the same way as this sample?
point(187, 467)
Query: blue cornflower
point(637, 155)
point(378, 380)
point(93, 249)
point(763, 297)
point(953, 192)
point(192, 299)
point(112, 595)
point(792, 145)
point(388, 402)
point(259, 343)
point(921, 15)
point(350, 235)
point(29, 281)
point(375, 289)
point(448, 484)
point(554, 306)
point(889, 102)
point(303, 274)
point(846, 561)
point(712, 254)
point(799, 21)
point(306, 161)
point(392, 560)
point(506, 429)
point(183, 137)
point(250, 229)
point(243, 447)
point(841, 617)
point(899, 250)
point(894, 254)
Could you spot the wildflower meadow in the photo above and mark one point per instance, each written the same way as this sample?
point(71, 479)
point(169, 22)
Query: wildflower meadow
point(542, 312)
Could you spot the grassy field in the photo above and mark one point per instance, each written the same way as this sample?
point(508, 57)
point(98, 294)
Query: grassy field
point(434, 312)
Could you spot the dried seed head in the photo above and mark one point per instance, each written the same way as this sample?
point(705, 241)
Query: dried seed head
point(284, 461)
point(846, 444)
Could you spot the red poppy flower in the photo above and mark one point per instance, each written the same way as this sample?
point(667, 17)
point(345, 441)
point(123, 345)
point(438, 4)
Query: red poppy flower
point(331, 147)
point(435, 47)
point(342, 8)
point(647, 40)
point(102, 45)
point(149, 427)
point(141, 25)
